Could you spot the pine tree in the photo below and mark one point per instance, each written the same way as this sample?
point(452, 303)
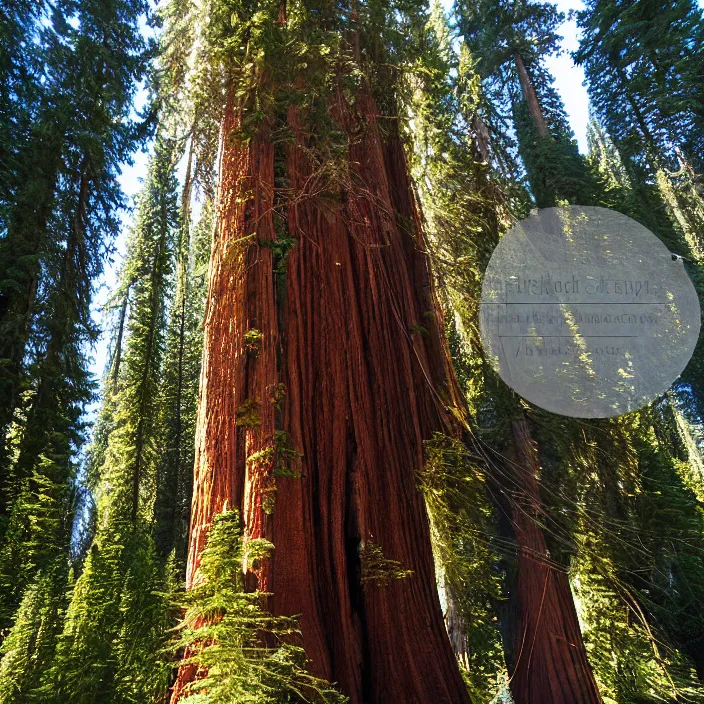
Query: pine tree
point(603, 180)
point(78, 135)
point(28, 648)
point(119, 609)
point(511, 41)
point(71, 195)
point(643, 61)
point(638, 185)
point(179, 386)
point(53, 432)
point(18, 90)
point(669, 207)
point(669, 514)
point(245, 651)
point(37, 542)
point(649, 56)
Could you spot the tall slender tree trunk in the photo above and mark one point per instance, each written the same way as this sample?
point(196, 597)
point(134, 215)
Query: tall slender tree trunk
point(174, 484)
point(350, 336)
point(531, 97)
point(156, 301)
point(117, 356)
point(482, 137)
point(550, 663)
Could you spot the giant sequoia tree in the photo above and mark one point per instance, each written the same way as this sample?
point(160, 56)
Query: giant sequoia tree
point(652, 111)
point(511, 43)
point(556, 172)
point(324, 365)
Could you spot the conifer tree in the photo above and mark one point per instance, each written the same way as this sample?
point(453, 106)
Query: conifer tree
point(78, 135)
point(57, 192)
point(603, 181)
point(669, 514)
point(51, 263)
point(28, 648)
point(39, 527)
point(179, 387)
point(511, 43)
point(18, 90)
point(119, 608)
point(245, 651)
point(643, 62)
point(644, 84)
point(629, 190)
point(121, 599)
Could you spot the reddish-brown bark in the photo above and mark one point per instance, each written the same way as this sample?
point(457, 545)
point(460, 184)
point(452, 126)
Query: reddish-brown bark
point(531, 97)
point(353, 336)
point(550, 661)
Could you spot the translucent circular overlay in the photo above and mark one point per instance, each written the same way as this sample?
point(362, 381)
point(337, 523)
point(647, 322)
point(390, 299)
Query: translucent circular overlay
point(584, 312)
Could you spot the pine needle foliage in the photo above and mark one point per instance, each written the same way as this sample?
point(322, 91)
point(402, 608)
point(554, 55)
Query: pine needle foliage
point(642, 61)
point(117, 621)
point(378, 570)
point(179, 387)
point(86, 57)
point(119, 607)
point(245, 653)
point(595, 480)
point(29, 647)
point(462, 522)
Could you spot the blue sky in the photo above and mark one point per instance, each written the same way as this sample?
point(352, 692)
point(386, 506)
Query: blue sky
point(569, 78)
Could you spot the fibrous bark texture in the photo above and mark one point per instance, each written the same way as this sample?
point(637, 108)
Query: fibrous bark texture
point(550, 661)
point(351, 371)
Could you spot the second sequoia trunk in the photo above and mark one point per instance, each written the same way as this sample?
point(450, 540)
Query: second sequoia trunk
point(550, 663)
point(324, 371)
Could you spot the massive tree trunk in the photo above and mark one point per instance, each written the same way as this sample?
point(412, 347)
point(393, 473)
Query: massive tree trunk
point(344, 363)
point(550, 663)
